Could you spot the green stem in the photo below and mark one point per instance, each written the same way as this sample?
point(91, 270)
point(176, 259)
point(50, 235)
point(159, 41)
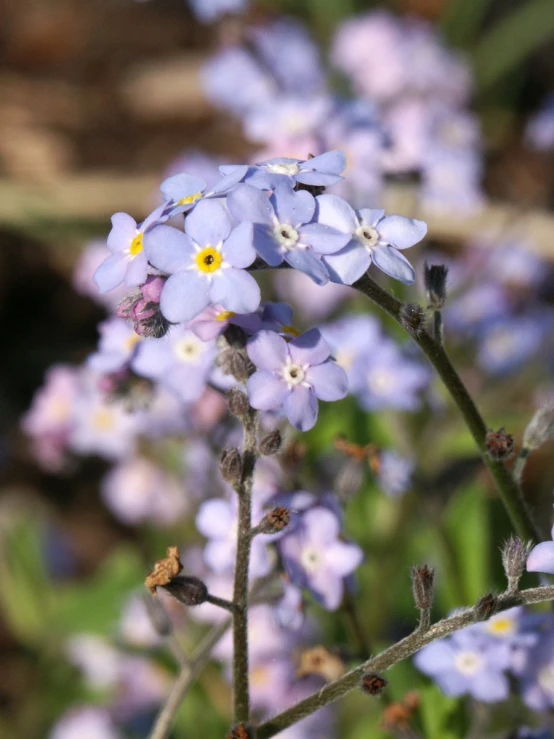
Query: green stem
point(508, 488)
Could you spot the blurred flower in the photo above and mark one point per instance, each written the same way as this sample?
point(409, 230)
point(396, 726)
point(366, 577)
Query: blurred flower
point(320, 171)
point(394, 474)
point(208, 11)
point(539, 133)
point(316, 559)
point(118, 342)
point(541, 558)
point(85, 722)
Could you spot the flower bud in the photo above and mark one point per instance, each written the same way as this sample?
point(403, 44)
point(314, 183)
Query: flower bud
point(190, 591)
point(242, 731)
point(435, 284)
point(540, 429)
point(412, 318)
point(485, 607)
point(423, 586)
point(271, 443)
point(274, 521)
point(152, 289)
point(500, 445)
point(158, 616)
point(239, 365)
point(514, 557)
point(126, 304)
point(230, 465)
point(238, 403)
point(373, 684)
point(349, 480)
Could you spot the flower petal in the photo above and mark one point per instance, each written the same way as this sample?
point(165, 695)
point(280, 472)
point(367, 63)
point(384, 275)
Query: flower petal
point(343, 558)
point(292, 207)
point(435, 658)
point(337, 213)
point(228, 181)
point(168, 249)
point(370, 216)
point(247, 203)
point(323, 239)
point(394, 264)
point(266, 246)
point(309, 348)
point(348, 264)
point(137, 271)
point(124, 230)
point(266, 391)
point(267, 350)
point(208, 223)
point(307, 262)
point(238, 249)
point(401, 232)
point(182, 186)
point(541, 558)
point(328, 380)
point(111, 272)
point(236, 290)
point(300, 408)
point(184, 296)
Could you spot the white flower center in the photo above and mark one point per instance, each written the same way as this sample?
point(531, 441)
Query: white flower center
point(546, 679)
point(188, 350)
point(288, 168)
point(380, 383)
point(285, 235)
point(294, 374)
point(468, 663)
point(310, 559)
point(367, 236)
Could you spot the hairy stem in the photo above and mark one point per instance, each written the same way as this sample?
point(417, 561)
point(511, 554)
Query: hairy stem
point(241, 698)
point(391, 656)
point(507, 486)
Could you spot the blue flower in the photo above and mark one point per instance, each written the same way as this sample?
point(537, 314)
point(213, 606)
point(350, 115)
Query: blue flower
point(206, 263)
point(208, 11)
point(293, 376)
point(283, 228)
point(320, 171)
point(372, 238)
point(183, 191)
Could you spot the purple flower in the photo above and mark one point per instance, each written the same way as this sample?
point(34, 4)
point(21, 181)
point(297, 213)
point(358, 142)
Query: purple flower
point(323, 170)
point(467, 663)
point(180, 361)
point(541, 558)
point(234, 80)
point(395, 473)
point(208, 11)
point(88, 722)
point(315, 558)
point(206, 263)
point(293, 376)
point(350, 337)
point(283, 229)
point(509, 342)
point(372, 237)
point(183, 191)
point(537, 676)
point(287, 117)
point(127, 262)
point(118, 342)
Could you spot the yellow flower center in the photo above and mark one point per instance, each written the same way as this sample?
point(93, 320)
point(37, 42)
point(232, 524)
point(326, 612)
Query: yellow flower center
point(225, 315)
point(501, 626)
point(103, 419)
point(208, 260)
point(190, 199)
point(132, 341)
point(136, 245)
point(291, 331)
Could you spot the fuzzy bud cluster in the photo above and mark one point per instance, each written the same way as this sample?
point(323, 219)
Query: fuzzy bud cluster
point(276, 520)
point(423, 586)
point(514, 556)
point(143, 309)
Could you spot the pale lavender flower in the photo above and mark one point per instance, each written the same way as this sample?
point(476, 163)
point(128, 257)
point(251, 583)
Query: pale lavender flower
point(316, 559)
point(387, 379)
point(206, 263)
point(508, 342)
point(266, 639)
point(288, 116)
point(85, 722)
point(293, 376)
point(269, 682)
point(283, 228)
point(350, 337)
point(139, 491)
point(541, 558)
point(82, 279)
point(537, 675)
point(118, 343)
point(467, 663)
point(127, 263)
point(539, 132)
point(217, 520)
point(320, 171)
point(234, 80)
point(372, 238)
point(180, 361)
point(313, 302)
point(289, 612)
point(183, 191)
point(135, 626)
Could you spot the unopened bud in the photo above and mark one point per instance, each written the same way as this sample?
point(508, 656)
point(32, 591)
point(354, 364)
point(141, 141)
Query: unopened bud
point(239, 365)
point(423, 586)
point(274, 521)
point(540, 429)
point(125, 305)
point(271, 443)
point(485, 607)
point(412, 317)
point(190, 591)
point(230, 465)
point(238, 403)
point(435, 284)
point(152, 289)
point(373, 684)
point(514, 557)
point(242, 731)
point(500, 444)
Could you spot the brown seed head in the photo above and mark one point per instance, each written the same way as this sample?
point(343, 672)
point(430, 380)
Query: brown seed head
point(164, 570)
point(500, 445)
point(373, 684)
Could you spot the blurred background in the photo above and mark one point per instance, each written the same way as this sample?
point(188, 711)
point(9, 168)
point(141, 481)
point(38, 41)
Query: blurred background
point(99, 101)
